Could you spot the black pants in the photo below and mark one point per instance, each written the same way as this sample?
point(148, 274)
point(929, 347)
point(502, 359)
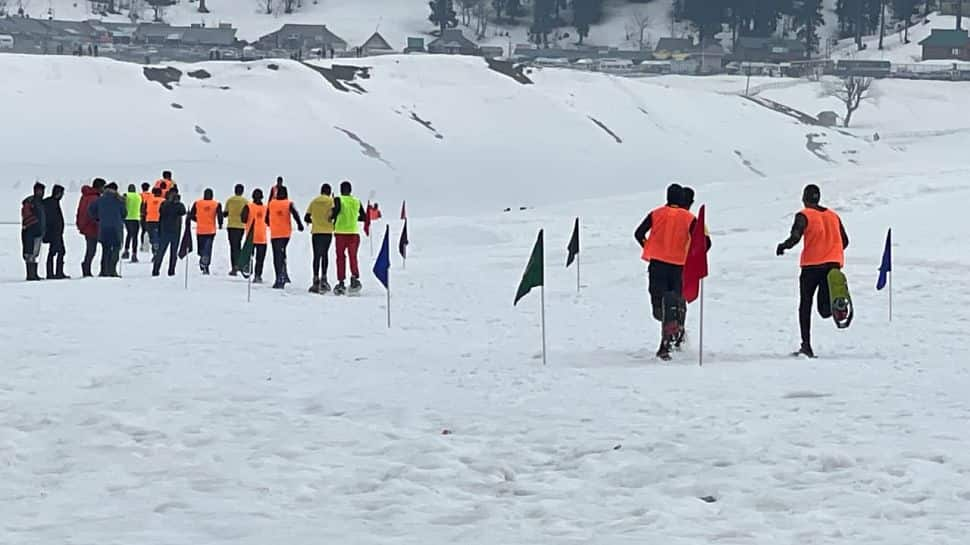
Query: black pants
point(110, 253)
point(131, 239)
point(664, 279)
point(260, 259)
point(279, 258)
point(55, 256)
point(90, 249)
point(205, 248)
point(168, 242)
point(321, 255)
point(811, 280)
point(235, 245)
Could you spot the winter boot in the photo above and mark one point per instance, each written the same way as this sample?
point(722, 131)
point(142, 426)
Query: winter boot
point(60, 271)
point(125, 255)
point(324, 287)
point(805, 350)
point(32, 272)
point(339, 289)
point(664, 352)
point(315, 288)
point(134, 258)
point(50, 270)
point(257, 279)
point(234, 271)
point(355, 286)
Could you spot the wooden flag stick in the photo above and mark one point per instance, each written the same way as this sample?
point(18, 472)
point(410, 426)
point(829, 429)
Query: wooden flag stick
point(542, 312)
point(700, 340)
point(389, 307)
point(890, 295)
point(186, 272)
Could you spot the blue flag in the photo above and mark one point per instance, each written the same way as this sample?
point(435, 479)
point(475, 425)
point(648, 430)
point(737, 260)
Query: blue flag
point(887, 262)
point(382, 267)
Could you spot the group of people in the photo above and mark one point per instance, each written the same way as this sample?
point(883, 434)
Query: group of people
point(153, 219)
point(666, 249)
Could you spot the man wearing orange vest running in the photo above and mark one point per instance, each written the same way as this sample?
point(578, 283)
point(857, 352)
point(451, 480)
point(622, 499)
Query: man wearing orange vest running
point(666, 250)
point(254, 216)
point(279, 211)
point(823, 250)
point(151, 212)
point(206, 213)
point(165, 183)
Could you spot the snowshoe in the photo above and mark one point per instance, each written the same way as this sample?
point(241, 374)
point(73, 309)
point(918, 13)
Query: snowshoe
point(355, 286)
point(324, 287)
point(840, 299)
point(339, 289)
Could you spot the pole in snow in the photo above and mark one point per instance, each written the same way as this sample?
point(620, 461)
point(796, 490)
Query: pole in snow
point(700, 339)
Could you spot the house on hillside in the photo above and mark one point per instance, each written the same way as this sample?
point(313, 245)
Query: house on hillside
point(376, 45)
point(453, 42)
point(197, 35)
point(673, 48)
point(415, 45)
point(302, 37)
point(710, 58)
point(773, 50)
point(949, 7)
point(947, 44)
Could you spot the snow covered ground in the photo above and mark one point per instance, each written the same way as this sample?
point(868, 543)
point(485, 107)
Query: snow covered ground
point(895, 48)
point(136, 411)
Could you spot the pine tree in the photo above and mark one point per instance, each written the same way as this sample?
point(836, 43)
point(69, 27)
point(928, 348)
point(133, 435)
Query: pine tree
point(903, 10)
point(583, 11)
point(808, 19)
point(443, 14)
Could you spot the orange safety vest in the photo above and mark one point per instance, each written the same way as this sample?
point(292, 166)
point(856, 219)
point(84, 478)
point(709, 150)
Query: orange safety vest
point(669, 239)
point(823, 238)
point(145, 195)
point(153, 207)
point(205, 217)
point(280, 225)
point(257, 222)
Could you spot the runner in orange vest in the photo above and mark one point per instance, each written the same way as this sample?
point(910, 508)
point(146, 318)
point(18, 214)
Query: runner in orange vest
point(150, 210)
point(823, 250)
point(165, 183)
point(206, 213)
point(278, 215)
point(254, 216)
point(146, 192)
point(666, 251)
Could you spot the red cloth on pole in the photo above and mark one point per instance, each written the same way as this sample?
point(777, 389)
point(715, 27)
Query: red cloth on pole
point(696, 266)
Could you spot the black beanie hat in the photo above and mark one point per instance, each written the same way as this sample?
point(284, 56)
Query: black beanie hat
point(812, 194)
point(675, 194)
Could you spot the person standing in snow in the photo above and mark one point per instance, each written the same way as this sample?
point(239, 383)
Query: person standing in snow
point(170, 215)
point(254, 217)
point(278, 214)
point(87, 225)
point(274, 190)
point(165, 183)
point(319, 215)
point(206, 213)
point(348, 212)
point(666, 250)
point(132, 223)
point(236, 227)
point(823, 250)
point(150, 210)
point(109, 210)
point(32, 225)
point(146, 192)
point(54, 234)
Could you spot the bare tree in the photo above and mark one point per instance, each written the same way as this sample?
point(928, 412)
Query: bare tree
point(640, 22)
point(851, 91)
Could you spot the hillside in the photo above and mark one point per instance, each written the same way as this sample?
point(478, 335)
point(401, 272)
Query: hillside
point(894, 48)
point(355, 20)
point(415, 125)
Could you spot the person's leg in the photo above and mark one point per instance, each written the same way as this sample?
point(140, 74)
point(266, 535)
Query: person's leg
point(260, 260)
point(341, 257)
point(284, 243)
point(807, 285)
point(105, 258)
point(353, 247)
point(60, 253)
point(277, 262)
point(157, 259)
point(317, 242)
point(824, 296)
point(205, 250)
point(135, 226)
point(325, 258)
point(656, 287)
point(90, 248)
point(235, 248)
point(154, 237)
point(130, 237)
point(173, 250)
point(51, 247)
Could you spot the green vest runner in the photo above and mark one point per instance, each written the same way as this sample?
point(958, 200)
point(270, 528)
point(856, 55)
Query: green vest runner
point(347, 218)
point(234, 208)
point(133, 203)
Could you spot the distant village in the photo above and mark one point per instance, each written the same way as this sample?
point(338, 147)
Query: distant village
point(158, 42)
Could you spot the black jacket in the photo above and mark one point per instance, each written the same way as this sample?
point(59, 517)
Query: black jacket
point(170, 216)
point(54, 218)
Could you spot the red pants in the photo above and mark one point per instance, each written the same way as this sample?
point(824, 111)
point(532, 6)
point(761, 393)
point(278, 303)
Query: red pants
point(347, 244)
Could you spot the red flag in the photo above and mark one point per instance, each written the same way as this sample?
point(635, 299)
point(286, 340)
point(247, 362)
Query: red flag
point(696, 267)
point(404, 211)
point(375, 212)
point(367, 216)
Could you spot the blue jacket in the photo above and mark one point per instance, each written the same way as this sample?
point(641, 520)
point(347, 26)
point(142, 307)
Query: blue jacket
point(109, 210)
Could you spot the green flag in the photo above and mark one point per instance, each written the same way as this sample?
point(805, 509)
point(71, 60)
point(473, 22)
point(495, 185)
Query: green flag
point(533, 276)
point(246, 254)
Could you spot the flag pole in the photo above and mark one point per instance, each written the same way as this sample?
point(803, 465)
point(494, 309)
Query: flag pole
point(577, 273)
point(249, 281)
point(890, 296)
point(700, 340)
point(542, 313)
point(389, 306)
point(186, 272)
point(371, 239)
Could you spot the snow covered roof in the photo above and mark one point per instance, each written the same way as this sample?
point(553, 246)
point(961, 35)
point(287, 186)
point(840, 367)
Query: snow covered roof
point(674, 44)
point(377, 42)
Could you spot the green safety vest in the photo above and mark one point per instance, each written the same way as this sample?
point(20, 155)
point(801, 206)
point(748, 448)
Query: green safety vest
point(346, 223)
point(133, 203)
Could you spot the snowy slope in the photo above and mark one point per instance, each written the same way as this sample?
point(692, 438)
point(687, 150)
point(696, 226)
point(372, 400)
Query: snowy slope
point(490, 144)
point(356, 20)
point(895, 49)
